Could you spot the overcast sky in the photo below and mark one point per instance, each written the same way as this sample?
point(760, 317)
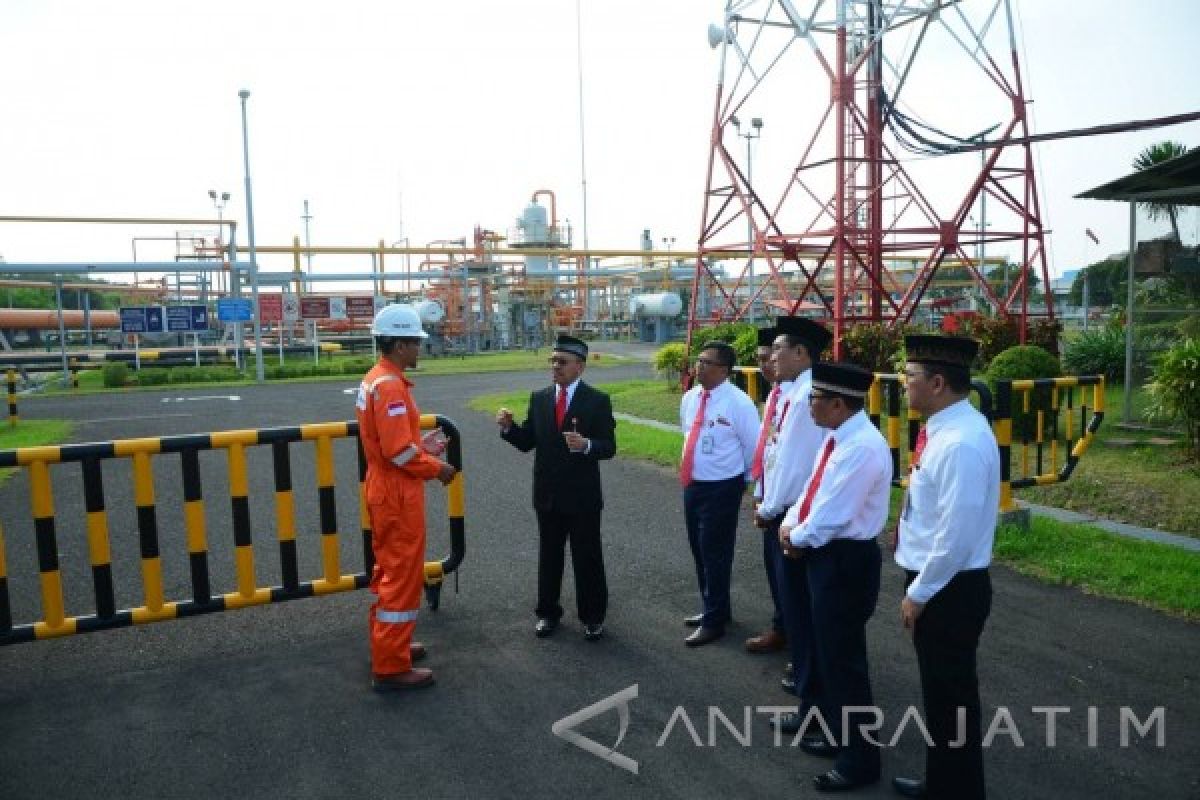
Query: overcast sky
point(425, 119)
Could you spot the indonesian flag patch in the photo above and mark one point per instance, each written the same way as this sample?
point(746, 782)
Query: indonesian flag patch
point(396, 408)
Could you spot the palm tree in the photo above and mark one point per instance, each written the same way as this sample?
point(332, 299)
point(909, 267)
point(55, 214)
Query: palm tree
point(1157, 154)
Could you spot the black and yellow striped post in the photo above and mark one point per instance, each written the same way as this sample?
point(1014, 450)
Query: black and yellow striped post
point(285, 516)
point(1002, 427)
point(196, 530)
point(5, 605)
point(54, 621)
point(247, 594)
point(332, 580)
point(99, 554)
point(364, 514)
point(435, 571)
point(12, 398)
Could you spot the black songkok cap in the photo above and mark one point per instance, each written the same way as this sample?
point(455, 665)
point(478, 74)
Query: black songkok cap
point(952, 351)
point(815, 336)
point(569, 344)
point(842, 378)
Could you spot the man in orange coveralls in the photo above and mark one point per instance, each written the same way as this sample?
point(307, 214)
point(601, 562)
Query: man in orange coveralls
point(399, 461)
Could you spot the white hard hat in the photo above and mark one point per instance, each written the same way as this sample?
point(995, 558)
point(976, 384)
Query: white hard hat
point(398, 320)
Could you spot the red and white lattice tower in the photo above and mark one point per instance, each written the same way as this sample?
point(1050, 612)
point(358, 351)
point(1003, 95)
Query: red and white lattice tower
point(897, 120)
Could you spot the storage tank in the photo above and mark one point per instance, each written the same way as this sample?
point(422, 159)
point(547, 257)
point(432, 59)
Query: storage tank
point(533, 224)
point(660, 304)
point(430, 311)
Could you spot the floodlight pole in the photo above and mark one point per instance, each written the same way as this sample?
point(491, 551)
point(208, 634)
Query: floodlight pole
point(258, 351)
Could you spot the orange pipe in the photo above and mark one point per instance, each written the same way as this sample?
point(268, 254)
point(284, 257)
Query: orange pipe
point(47, 319)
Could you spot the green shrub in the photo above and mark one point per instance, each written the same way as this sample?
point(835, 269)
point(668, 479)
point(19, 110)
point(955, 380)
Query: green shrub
point(746, 347)
point(1098, 351)
point(727, 332)
point(157, 376)
point(1175, 390)
point(1025, 362)
point(875, 346)
point(116, 375)
point(995, 335)
point(670, 361)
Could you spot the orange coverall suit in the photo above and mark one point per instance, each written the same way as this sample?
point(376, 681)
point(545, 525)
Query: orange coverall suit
point(397, 468)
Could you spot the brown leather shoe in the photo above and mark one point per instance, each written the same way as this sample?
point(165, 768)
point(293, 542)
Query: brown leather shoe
point(766, 642)
point(417, 678)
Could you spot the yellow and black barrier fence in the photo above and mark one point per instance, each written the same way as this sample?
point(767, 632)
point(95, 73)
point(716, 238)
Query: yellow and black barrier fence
point(155, 608)
point(1039, 441)
point(1041, 401)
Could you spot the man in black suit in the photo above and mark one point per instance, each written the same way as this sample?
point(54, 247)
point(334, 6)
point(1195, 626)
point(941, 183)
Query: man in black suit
point(572, 428)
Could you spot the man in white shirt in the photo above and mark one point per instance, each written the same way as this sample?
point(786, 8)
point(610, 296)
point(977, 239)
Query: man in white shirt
point(788, 461)
point(773, 638)
point(834, 528)
point(947, 527)
point(720, 429)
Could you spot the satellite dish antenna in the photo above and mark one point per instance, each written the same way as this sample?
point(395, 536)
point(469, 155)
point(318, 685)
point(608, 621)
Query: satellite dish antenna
point(717, 35)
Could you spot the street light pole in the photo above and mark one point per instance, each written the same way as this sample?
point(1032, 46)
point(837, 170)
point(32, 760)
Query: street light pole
point(754, 132)
point(219, 201)
point(258, 352)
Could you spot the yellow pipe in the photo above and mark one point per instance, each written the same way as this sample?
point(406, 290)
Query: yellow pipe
point(194, 524)
point(97, 536)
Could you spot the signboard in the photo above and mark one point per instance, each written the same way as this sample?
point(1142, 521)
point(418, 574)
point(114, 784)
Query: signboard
point(358, 307)
point(141, 319)
point(234, 309)
point(291, 308)
point(186, 319)
point(270, 308)
point(314, 307)
point(337, 308)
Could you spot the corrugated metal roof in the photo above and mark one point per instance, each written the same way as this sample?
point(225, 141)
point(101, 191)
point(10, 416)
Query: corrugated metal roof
point(1176, 181)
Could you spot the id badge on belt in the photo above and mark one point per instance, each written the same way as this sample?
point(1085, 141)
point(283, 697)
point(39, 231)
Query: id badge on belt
point(706, 444)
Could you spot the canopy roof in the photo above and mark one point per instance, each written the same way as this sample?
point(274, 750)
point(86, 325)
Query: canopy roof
point(1176, 181)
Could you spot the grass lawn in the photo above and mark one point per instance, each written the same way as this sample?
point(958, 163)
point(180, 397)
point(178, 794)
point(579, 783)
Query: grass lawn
point(31, 433)
point(92, 380)
point(1156, 575)
point(1147, 484)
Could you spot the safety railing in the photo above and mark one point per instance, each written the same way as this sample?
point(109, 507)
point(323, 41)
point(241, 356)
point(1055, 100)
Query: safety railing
point(55, 622)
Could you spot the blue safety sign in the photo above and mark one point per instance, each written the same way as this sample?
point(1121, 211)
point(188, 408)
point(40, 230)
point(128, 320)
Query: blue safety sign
point(234, 309)
point(185, 319)
point(141, 319)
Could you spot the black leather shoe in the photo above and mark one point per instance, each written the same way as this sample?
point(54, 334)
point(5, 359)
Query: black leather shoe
point(909, 787)
point(545, 626)
point(834, 781)
point(694, 621)
point(819, 746)
point(791, 722)
point(593, 632)
point(702, 636)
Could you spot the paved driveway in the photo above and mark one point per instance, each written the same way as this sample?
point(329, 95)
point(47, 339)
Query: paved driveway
point(273, 701)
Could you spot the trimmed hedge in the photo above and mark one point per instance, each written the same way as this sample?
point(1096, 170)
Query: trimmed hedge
point(1026, 362)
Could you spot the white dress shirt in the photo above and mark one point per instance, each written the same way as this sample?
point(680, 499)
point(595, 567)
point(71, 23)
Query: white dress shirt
point(725, 445)
point(789, 455)
point(949, 519)
point(852, 499)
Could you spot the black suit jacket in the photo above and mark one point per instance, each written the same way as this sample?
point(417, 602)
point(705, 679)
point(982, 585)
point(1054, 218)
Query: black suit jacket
point(564, 481)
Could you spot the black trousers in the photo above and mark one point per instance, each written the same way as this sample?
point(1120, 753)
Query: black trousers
point(772, 552)
point(795, 601)
point(843, 579)
point(946, 638)
point(587, 560)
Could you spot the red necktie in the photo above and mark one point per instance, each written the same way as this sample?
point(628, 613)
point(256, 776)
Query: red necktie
point(815, 482)
point(918, 448)
point(560, 407)
point(689, 449)
point(756, 468)
point(913, 463)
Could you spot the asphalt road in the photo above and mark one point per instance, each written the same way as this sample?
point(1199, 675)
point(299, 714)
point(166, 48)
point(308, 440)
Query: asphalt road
point(273, 701)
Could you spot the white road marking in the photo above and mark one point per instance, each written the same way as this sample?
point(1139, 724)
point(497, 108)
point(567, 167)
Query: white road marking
point(130, 419)
point(232, 397)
